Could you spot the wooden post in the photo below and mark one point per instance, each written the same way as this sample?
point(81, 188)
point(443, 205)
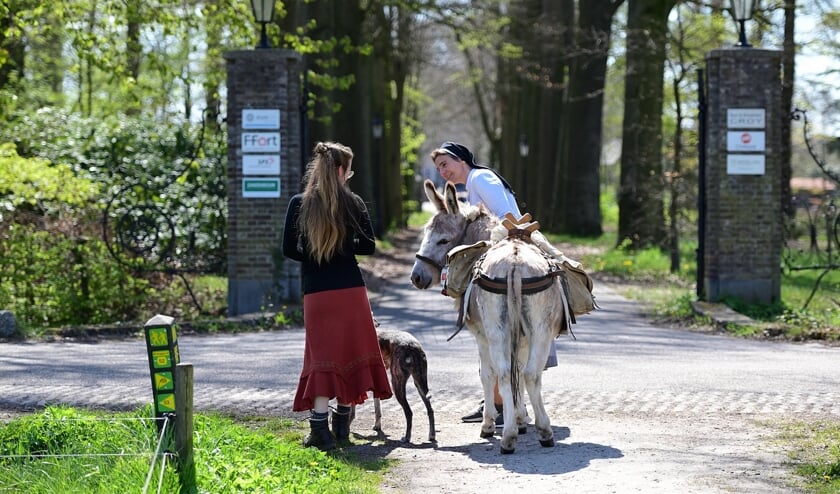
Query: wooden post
point(184, 427)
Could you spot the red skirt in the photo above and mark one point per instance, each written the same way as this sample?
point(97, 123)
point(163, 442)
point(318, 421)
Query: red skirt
point(341, 356)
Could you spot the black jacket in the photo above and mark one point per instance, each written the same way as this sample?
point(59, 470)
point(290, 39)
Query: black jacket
point(342, 271)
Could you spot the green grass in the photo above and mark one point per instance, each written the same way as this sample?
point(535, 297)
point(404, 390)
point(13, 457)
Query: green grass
point(256, 456)
point(814, 450)
point(418, 218)
point(671, 294)
point(803, 313)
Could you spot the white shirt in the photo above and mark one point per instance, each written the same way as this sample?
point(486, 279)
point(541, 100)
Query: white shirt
point(484, 187)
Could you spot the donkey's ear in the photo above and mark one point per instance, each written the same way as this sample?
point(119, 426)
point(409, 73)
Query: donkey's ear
point(450, 195)
point(434, 196)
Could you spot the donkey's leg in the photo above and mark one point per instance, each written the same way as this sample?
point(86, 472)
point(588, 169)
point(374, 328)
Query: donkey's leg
point(533, 382)
point(502, 362)
point(510, 432)
point(522, 418)
point(488, 382)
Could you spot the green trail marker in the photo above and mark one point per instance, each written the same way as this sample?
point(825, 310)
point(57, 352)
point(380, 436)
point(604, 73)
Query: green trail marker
point(162, 348)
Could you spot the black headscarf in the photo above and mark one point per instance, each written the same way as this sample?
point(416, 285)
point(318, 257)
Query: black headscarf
point(463, 153)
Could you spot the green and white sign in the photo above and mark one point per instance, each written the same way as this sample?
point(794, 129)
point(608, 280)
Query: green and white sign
point(265, 187)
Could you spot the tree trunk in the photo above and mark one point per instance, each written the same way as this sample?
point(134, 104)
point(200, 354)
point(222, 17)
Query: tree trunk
point(583, 119)
point(399, 61)
point(542, 132)
point(788, 67)
point(641, 219)
point(11, 42)
point(342, 114)
point(133, 45)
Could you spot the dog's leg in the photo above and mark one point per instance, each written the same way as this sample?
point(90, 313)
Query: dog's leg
point(377, 410)
point(399, 379)
point(419, 375)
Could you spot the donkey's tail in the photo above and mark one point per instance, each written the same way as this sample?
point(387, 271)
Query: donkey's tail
point(514, 313)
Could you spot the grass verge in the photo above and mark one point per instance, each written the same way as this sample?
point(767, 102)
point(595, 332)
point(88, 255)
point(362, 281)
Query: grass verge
point(814, 450)
point(69, 450)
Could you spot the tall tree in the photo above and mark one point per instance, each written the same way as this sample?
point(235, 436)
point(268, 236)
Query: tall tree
point(557, 29)
point(12, 45)
point(394, 58)
point(583, 117)
point(530, 87)
point(340, 81)
point(788, 71)
point(641, 220)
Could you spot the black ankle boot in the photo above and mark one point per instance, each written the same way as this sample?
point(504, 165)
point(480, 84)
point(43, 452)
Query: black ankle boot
point(319, 435)
point(341, 423)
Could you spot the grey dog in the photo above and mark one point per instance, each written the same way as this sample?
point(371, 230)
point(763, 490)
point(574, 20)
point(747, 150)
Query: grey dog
point(404, 357)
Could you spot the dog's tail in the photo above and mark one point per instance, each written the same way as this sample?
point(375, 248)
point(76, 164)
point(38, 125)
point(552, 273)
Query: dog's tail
point(419, 374)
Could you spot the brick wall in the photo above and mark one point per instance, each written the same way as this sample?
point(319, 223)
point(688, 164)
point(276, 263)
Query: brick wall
point(258, 277)
point(743, 220)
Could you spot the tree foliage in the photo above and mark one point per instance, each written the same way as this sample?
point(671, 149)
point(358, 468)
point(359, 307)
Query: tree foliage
point(129, 96)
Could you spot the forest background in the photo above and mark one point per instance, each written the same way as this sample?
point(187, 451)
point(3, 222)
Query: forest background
point(106, 104)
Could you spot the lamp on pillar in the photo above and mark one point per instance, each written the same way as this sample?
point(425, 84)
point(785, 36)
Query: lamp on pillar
point(376, 129)
point(523, 146)
point(263, 13)
point(524, 150)
point(741, 11)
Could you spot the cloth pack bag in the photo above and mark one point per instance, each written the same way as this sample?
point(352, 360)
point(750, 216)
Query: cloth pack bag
point(459, 267)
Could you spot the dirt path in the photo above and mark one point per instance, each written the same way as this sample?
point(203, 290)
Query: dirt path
point(597, 453)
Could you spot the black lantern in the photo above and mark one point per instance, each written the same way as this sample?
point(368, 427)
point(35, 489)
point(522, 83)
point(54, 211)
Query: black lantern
point(741, 11)
point(524, 149)
point(263, 13)
point(376, 127)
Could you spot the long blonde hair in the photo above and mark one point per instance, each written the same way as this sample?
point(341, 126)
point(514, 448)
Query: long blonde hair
point(328, 211)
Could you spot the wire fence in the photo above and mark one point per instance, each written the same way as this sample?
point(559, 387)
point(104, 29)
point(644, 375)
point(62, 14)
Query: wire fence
point(159, 457)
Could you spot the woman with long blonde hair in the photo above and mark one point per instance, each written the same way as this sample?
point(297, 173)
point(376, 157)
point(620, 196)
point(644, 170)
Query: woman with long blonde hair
point(327, 225)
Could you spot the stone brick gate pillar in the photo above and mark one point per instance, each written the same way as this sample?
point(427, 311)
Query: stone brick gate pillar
point(264, 171)
point(742, 222)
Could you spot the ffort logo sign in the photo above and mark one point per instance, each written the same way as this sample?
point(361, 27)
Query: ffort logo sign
point(260, 142)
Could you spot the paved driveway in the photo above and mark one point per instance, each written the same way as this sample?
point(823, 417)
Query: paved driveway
point(635, 407)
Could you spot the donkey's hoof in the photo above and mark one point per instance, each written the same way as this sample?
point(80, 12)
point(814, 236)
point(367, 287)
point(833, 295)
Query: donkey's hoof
point(547, 443)
point(522, 429)
point(506, 451)
point(486, 434)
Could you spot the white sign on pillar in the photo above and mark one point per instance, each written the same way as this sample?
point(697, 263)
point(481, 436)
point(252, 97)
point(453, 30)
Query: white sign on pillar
point(260, 119)
point(745, 140)
point(261, 142)
point(261, 164)
point(745, 164)
point(745, 118)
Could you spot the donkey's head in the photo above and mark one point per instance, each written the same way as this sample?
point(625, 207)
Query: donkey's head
point(447, 229)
